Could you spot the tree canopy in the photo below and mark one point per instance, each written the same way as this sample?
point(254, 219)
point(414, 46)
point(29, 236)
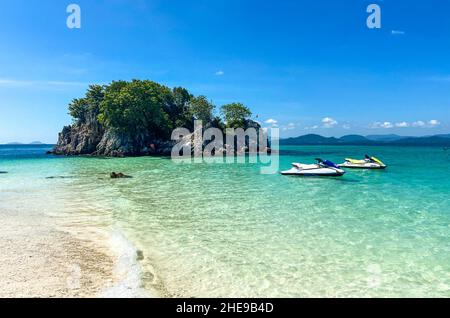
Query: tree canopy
point(201, 109)
point(143, 106)
point(88, 107)
point(235, 114)
point(136, 107)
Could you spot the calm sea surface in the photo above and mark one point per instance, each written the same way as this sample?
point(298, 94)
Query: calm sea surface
point(228, 230)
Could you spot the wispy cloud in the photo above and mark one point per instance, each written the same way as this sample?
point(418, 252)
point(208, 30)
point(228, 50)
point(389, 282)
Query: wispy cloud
point(384, 125)
point(428, 124)
point(398, 32)
point(329, 122)
point(312, 127)
point(402, 124)
point(219, 73)
point(416, 124)
point(434, 123)
point(325, 123)
point(290, 126)
point(271, 121)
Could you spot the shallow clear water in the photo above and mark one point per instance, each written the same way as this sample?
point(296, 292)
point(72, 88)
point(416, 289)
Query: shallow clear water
point(227, 230)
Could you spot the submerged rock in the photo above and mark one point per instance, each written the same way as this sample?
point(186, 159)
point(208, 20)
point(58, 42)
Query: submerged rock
point(140, 255)
point(119, 175)
point(59, 177)
point(3, 172)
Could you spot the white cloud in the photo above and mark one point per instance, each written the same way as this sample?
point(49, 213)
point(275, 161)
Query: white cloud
point(271, 121)
point(220, 73)
point(403, 124)
point(434, 123)
point(429, 124)
point(290, 126)
point(418, 123)
point(397, 32)
point(383, 125)
point(329, 122)
point(346, 126)
point(387, 125)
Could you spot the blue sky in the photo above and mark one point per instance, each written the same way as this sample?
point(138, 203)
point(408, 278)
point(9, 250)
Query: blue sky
point(305, 66)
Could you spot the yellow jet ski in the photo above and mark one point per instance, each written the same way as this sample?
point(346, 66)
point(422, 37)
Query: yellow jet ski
point(367, 163)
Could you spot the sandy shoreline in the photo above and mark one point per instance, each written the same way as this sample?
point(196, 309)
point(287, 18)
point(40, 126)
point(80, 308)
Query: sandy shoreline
point(53, 244)
point(38, 260)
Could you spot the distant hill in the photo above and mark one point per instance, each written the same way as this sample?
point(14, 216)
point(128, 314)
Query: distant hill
point(311, 139)
point(391, 137)
point(353, 138)
point(23, 144)
point(394, 140)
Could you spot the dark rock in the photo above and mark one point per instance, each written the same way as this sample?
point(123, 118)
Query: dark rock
point(59, 177)
point(91, 139)
point(119, 175)
point(140, 255)
point(3, 172)
point(81, 138)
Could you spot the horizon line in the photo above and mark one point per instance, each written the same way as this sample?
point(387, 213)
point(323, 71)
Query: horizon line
point(37, 143)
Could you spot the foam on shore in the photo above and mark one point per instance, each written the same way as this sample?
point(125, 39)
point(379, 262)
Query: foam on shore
point(127, 270)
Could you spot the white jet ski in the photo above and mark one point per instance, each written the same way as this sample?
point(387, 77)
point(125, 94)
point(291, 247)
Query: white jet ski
point(321, 169)
point(367, 163)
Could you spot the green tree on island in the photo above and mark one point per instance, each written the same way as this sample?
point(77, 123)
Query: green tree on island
point(137, 107)
point(78, 109)
point(201, 109)
point(143, 108)
point(179, 111)
point(88, 107)
point(136, 117)
point(235, 115)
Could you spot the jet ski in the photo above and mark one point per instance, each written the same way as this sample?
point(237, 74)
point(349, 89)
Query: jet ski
point(367, 163)
point(321, 169)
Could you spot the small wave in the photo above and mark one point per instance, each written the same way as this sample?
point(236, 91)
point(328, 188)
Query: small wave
point(127, 270)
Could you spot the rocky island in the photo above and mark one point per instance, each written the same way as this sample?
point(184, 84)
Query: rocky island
point(136, 118)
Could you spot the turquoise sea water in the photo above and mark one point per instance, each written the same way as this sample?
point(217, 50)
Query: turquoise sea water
point(228, 230)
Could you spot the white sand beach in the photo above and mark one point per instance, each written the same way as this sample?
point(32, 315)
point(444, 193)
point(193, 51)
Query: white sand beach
point(38, 260)
point(45, 253)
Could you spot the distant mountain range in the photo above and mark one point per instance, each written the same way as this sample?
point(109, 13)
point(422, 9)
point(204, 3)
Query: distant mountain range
point(390, 137)
point(31, 143)
point(394, 140)
point(312, 139)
